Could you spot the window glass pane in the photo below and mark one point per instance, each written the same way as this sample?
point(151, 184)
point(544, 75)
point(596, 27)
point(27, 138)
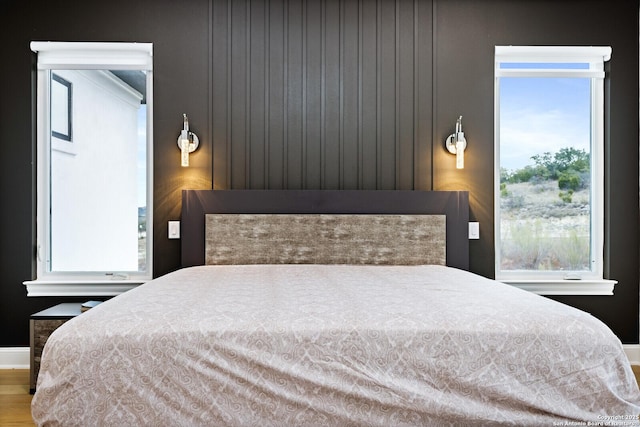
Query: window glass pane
point(545, 65)
point(98, 189)
point(60, 107)
point(142, 188)
point(545, 174)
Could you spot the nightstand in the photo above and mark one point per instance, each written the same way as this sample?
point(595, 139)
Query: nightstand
point(41, 325)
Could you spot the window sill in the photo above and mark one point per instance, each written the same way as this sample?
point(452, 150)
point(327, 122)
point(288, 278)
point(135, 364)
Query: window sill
point(79, 288)
point(565, 287)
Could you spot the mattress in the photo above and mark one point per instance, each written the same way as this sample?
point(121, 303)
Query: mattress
point(319, 345)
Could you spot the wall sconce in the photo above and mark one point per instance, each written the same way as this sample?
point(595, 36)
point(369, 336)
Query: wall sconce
point(187, 142)
point(456, 144)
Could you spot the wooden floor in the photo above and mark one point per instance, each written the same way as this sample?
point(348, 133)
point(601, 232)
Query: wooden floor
point(15, 400)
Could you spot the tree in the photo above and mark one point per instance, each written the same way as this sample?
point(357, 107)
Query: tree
point(569, 166)
point(572, 158)
point(566, 159)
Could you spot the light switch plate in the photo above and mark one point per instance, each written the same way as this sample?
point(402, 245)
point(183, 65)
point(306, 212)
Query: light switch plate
point(174, 229)
point(474, 230)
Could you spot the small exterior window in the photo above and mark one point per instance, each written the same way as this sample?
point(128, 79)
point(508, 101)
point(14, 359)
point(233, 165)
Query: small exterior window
point(94, 168)
point(61, 108)
point(549, 213)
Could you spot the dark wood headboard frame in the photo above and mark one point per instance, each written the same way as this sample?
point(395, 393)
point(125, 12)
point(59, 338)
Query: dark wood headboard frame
point(197, 203)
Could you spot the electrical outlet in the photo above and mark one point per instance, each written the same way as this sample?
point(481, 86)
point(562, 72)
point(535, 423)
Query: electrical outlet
point(474, 230)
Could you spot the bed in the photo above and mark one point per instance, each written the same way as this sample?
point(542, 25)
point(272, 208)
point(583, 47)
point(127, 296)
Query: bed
point(321, 308)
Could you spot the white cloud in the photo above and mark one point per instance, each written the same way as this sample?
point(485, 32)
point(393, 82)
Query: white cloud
point(526, 132)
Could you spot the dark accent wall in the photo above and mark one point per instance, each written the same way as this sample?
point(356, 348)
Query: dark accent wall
point(320, 94)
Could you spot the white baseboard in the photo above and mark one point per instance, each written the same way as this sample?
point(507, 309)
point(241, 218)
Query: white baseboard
point(14, 357)
point(18, 357)
point(633, 353)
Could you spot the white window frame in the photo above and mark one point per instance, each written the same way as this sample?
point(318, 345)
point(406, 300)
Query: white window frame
point(559, 283)
point(85, 56)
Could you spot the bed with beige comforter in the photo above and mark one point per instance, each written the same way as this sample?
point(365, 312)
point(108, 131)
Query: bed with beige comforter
point(332, 345)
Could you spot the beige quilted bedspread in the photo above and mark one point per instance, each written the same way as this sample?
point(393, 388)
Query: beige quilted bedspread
point(317, 345)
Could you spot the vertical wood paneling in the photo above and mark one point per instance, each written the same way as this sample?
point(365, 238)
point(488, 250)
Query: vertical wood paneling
point(332, 106)
point(229, 97)
point(378, 93)
point(359, 125)
point(294, 94)
point(350, 94)
point(387, 86)
point(257, 95)
point(341, 120)
point(219, 111)
point(267, 67)
point(396, 71)
point(322, 94)
point(424, 95)
point(285, 91)
point(248, 120)
point(276, 91)
point(405, 94)
point(239, 93)
point(312, 115)
point(369, 95)
point(303, 119)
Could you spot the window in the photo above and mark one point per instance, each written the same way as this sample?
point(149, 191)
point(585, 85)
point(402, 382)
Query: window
point(60, 108)
point(94, 190)
point(549, 194)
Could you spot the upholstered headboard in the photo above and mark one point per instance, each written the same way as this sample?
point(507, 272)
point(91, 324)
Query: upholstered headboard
point(352, 227)
point(325, 239)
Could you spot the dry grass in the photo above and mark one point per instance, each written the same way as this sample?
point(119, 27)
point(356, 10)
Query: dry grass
point(539, 231)
point(542, 200)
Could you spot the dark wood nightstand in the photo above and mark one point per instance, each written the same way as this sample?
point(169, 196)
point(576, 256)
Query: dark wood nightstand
point(41, 325)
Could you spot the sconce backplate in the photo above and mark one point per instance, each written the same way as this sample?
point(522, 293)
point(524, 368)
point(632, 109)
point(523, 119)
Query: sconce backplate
point(194, 142)
point(451, 144)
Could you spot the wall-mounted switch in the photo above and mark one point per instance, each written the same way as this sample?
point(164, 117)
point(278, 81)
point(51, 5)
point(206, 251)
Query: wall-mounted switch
point(174, 229)
point(474, 230)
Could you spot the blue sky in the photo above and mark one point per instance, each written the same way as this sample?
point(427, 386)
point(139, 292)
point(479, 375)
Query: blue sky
point(542, 114)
